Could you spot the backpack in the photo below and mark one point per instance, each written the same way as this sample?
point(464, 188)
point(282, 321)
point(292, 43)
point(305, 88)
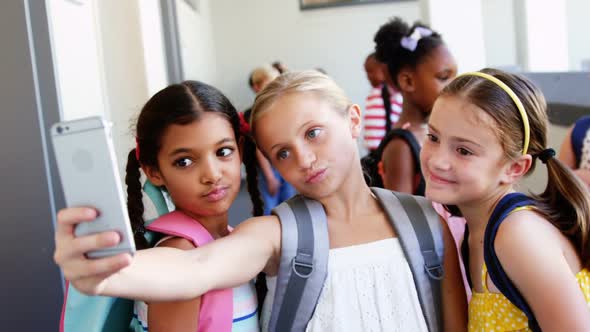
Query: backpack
point(497, 274)
point(102, 313)
point(371, 161)
point(499, 277)
point(305, 247)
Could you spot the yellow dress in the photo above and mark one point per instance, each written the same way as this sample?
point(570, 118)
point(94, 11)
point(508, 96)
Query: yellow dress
point(493, 312)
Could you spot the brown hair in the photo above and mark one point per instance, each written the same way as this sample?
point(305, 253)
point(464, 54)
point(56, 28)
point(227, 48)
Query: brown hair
point(566, 200)
point(179, 104)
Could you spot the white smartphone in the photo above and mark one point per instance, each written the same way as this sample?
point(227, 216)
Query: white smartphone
point(88, 170)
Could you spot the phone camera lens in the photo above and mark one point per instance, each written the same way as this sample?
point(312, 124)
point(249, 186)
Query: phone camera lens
point(59, 130)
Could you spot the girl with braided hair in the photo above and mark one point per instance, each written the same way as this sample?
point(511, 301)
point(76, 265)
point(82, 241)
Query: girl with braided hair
point(189, 138)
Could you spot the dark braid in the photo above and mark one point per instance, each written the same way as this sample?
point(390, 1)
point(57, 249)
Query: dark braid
point(252, 176)
point(251, 163)
point(134, 200)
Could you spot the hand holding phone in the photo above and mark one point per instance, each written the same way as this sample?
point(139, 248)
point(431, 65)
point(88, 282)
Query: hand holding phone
point(89, 276)
point(88, 171)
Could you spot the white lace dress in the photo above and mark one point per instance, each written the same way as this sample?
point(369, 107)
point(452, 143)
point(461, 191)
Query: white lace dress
point(369, 287)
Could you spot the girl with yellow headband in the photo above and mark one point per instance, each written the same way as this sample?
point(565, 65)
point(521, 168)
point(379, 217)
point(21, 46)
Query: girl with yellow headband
point(528, 257)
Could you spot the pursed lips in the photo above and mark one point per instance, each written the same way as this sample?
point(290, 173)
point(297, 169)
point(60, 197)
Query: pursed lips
point(216, 193)
point(316, 176)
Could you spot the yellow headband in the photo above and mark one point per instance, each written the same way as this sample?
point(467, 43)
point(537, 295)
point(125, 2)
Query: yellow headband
point(515, 99)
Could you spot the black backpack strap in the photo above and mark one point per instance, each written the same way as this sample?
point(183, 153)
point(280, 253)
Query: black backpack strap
point(370, 167)
point(465, 255)
point(261, 290)
point(385, 95)
point(415, 147)
point(497, 274)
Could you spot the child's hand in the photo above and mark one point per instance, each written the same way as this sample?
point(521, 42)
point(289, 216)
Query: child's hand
point(87, 275)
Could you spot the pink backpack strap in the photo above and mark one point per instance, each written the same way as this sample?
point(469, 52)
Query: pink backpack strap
point(179, 224)
point(216, 306)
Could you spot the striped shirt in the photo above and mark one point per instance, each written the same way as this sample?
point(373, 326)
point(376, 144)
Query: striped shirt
point(374, 117)
point(245, 317)
point(245, 309)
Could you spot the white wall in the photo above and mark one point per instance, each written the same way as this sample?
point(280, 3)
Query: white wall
point(153, 45)
point(502, 38)
point(250, 33)
point(196, 42)
point(125, 75)
point(462, 29)
point(578, 33)
point(78, 60)
point(99, 60)
point(545, 23)
point(499, 33)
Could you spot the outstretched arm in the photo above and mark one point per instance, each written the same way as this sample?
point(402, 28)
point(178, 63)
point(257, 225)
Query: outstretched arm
point(164, 274)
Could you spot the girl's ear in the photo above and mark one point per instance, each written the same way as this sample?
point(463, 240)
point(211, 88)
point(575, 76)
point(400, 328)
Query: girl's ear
point(516, 169)
point(154, 175)
point(354, 114)
point(405, 80)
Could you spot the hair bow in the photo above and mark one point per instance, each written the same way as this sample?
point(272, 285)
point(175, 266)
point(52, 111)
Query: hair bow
point(244, 126)
point(411, 42)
